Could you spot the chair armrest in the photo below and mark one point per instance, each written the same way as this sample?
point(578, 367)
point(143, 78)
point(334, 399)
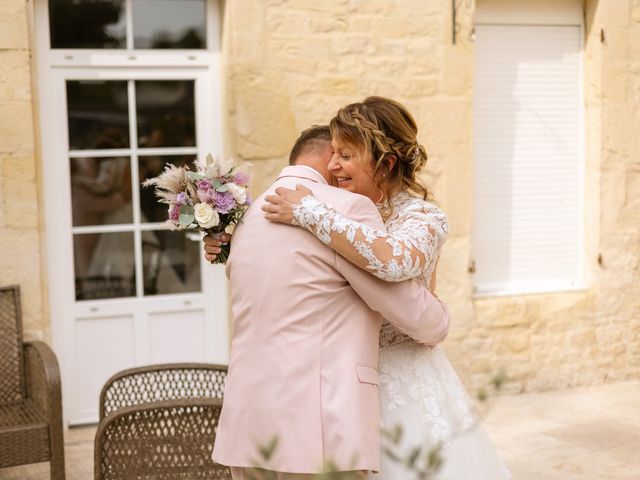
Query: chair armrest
point(157, 438)
point(43, 379)
point(154, 383)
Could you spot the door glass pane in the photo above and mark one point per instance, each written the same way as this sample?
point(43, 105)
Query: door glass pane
point(87, 24)
point(151, 166)
point(169, 24)
point(101, 191)
point(171, 262)
point(104, 265)
point(98, 114)
point(166, 113)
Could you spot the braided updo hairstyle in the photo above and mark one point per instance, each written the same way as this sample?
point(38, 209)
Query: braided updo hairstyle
point(382, 128)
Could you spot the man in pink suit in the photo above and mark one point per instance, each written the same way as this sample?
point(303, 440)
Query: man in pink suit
point(304, 354)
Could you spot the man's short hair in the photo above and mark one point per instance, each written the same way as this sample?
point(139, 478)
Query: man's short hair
point(311, 140)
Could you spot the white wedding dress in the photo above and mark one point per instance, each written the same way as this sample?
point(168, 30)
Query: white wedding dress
point(419, 389)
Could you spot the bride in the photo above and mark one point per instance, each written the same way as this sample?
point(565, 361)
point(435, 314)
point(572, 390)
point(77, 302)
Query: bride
point(376, 154)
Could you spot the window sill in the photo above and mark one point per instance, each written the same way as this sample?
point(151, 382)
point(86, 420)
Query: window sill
point(548, 289)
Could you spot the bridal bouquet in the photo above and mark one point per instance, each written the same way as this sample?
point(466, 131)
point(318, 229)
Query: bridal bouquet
point(209, 197)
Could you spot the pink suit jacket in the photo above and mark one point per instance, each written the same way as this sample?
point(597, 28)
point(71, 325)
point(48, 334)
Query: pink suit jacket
point(304, 354)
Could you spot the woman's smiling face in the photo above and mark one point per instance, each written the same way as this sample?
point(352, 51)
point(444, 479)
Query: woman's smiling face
point(351, 171)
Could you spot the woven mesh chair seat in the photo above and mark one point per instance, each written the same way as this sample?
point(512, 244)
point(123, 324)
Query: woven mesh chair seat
point(20, 414)
point(24, 434)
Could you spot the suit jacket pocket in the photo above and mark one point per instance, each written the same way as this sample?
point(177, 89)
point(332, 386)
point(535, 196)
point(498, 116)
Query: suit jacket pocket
point(367, 374)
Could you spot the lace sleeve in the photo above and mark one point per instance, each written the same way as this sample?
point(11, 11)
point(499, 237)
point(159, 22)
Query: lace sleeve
point(405, 250)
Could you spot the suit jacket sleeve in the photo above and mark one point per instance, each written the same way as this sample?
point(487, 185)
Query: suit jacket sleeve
point(407, 305)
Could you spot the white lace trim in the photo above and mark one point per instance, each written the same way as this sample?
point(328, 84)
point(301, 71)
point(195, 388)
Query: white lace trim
point(416, 231)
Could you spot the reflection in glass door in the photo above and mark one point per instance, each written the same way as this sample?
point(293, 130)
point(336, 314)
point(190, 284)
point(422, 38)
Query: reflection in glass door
point(104, 24)
point(121, 133)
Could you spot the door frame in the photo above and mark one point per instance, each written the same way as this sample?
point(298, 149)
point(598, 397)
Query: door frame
point(54, 68)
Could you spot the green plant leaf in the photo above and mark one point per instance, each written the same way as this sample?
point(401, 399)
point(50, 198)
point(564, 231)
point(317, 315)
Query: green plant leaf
point(194, 175)
point(413, 456)
point(267, 450)
point(499, 379)
point(395, 434)
point(483, 395)
point(187, 215)
point(434, 459)
point(391, 454)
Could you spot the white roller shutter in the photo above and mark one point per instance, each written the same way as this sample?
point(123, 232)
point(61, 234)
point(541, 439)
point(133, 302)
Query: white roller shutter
point(528, 185)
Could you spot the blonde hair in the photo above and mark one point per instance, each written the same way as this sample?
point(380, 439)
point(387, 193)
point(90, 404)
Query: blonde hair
point(384, 128)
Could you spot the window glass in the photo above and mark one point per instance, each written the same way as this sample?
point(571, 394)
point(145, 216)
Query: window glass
point(151, 166)
point(166, 113)
point(101, 191)
point(104, 265)
point(98, 114)
point(87, 23)
point(171, 262)
point(166, 24)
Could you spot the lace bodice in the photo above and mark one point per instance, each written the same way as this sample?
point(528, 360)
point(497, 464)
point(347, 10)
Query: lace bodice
point(408, 248)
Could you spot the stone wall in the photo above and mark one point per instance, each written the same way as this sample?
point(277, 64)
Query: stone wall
point(21, 233)
point(292, 64)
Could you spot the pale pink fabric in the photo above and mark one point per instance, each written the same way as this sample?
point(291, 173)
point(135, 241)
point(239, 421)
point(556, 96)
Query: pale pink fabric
point(304, 353)
point(239, 473)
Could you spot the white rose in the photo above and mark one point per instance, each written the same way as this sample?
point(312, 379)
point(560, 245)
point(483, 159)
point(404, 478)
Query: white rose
point(205, 215)
point(238, 193)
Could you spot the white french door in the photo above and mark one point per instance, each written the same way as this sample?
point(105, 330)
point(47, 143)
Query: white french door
point(124, 290)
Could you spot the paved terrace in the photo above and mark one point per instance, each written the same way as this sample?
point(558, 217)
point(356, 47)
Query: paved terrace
point(583, 434)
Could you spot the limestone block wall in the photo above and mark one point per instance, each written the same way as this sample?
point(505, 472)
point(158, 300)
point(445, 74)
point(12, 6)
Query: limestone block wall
point(21, 246)
point(618, 331)
point(290, 64)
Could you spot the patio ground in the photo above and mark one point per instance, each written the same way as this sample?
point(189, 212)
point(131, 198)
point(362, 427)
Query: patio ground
point(583, 434)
